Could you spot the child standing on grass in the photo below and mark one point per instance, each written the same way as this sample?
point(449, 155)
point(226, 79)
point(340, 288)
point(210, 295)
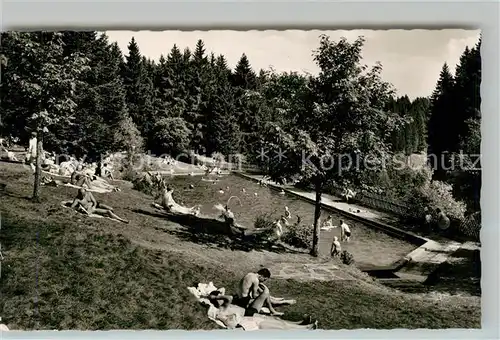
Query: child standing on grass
point(335, 249)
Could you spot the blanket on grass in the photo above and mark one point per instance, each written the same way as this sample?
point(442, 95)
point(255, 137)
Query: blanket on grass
point(99, 185)
point(67, 205)
point(234, 316)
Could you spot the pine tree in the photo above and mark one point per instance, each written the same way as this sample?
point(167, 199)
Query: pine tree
point(466, 93)
point(440, 137)
point(244, 77)
point(201, 80)
point(140, 91)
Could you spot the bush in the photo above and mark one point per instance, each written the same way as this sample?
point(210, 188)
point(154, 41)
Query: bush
point(395, 180)
point(346, 257)
point(150, 185)
point(436, 194)
point(264, 221)
point(298, 235)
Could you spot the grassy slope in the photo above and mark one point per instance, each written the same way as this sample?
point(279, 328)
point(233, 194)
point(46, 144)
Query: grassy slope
point(63, 271)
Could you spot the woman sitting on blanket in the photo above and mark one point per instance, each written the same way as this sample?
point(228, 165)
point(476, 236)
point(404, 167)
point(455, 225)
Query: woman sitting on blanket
point(86, 202)
point(223, 302)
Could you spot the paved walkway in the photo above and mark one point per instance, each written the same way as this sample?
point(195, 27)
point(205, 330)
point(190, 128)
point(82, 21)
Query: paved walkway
point(337, 203)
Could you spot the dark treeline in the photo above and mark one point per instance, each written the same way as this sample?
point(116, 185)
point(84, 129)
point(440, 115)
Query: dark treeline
point(95, 100)
point(454, 126)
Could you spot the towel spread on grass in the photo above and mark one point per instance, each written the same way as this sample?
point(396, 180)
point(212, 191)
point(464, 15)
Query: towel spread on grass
point(233, 315)
point(98, 185)
point(67, 204)
point(94, 189)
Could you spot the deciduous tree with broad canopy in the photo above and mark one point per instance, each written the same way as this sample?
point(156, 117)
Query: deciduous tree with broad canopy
point(344, 126)
point(46, 80)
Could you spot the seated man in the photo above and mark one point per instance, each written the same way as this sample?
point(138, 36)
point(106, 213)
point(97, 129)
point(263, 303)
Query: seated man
point(107, 172)
point(79, 178)
point(253, 294)
point(168, 203)
point(222, 302)
point(85, 201)
point(228, 216)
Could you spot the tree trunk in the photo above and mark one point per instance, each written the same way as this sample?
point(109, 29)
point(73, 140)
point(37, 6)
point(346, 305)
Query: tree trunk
point(317, 215)
point(38, 166)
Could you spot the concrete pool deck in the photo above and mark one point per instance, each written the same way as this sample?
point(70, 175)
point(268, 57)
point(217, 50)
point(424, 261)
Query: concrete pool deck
point(415, 266)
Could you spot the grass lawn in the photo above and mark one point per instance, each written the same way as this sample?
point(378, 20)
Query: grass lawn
point(62, 270)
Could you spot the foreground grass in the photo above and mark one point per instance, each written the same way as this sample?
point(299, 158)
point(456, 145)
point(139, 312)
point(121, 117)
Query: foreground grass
point(62, 273)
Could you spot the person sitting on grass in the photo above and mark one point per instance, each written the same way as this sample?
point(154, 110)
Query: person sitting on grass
point(442, 221)
point(79, 178)
point(288, 214)
point(253, 294)
point(228, 216)
point(86, 202)
point(335, 250)
point(107, 173)
point(222, 303)
point(168, 203)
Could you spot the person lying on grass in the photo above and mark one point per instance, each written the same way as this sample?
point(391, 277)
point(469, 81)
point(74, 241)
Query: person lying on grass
point(86, 202)
point(253, 294)
point(231, 320)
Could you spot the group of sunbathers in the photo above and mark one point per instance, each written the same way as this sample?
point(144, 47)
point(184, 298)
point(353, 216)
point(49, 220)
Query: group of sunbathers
point(253, 295)
point(84, 201)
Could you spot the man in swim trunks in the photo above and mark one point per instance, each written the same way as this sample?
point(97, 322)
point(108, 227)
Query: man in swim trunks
point(86, 202)
point(253, 294)
point(345, 231)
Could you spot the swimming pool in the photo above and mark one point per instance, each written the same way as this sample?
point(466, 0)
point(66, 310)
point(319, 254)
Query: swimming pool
point(368, 246)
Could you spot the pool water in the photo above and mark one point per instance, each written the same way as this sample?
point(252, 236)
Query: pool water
point(368, 246)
